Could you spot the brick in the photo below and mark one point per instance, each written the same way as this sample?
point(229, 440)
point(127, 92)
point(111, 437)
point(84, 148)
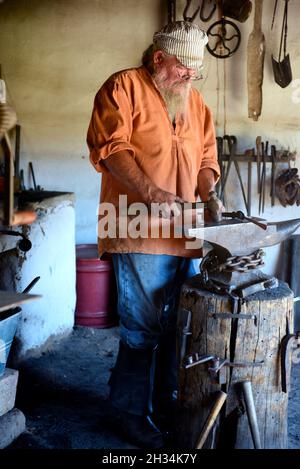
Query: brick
point(12, 424)
point(8, 388)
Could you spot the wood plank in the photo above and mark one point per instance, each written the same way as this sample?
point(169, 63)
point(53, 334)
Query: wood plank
point(9, 300)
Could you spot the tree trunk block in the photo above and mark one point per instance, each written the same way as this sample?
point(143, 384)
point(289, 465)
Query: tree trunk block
point(239, 340)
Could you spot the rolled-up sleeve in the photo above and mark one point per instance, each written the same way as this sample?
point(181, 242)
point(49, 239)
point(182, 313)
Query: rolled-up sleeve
point(110, 126)
point(210, 159)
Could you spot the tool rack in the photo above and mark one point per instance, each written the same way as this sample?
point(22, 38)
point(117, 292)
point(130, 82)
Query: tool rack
point(249, 157)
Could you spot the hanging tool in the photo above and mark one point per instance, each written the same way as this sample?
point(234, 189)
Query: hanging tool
point(288, 343)
point(265, 155)
point(224, 39)
point(212, 417)
point(32, 175)
point(17, 151)
point(282, 69)
point(185, 12)
point(241, 216)
point(237, 9)
point(232, 144)
point(211, 13)
point(224, 36)
point(262, 180)
point(287, 187)
point(171, 11)
point(201, 8)
point(249, 183)
point(255, 64)
point(251, 412)
point(221, 165)
point(258, 158)
point(22, 183)
point(273, 172)
point(274, 13)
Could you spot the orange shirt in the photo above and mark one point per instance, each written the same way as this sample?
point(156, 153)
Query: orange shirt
point(130, 114)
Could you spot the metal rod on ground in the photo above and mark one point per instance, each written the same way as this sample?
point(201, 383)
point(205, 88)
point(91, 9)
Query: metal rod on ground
point(251, 413)
point(212, 417)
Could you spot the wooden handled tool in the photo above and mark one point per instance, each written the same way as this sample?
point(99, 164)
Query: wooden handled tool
point(255, 64)
point(251, 413)
point(212, 417)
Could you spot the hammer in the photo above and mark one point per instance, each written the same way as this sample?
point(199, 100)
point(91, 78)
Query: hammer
point(212, 417)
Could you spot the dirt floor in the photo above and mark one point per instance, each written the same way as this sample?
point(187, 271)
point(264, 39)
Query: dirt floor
point(63, 395)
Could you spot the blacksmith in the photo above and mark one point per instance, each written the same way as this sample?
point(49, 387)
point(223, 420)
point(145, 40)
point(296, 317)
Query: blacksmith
point(152, 137)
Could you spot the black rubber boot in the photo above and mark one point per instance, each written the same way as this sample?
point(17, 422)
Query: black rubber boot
point(165, 385)
point(130, 397)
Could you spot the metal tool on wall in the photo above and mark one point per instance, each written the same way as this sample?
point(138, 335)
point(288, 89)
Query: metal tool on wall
point(289, 344)
point(232, 145)
point(222, 168)
point(238, 10)
point(262, 195)
point(287, 187)
point(204, 13)
point(258, 159)
point(282, 69)
point(171, 5)
point(255, 64)
point(32, 175)
point(273, 174)
point(224, 36)
point(249, 153)
point(284, 186)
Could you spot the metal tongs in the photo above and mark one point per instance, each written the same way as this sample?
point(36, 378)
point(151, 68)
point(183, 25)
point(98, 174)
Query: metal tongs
point(241, 216)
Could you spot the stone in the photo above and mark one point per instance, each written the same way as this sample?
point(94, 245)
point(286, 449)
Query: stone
point(8, 388)
point(12, 424)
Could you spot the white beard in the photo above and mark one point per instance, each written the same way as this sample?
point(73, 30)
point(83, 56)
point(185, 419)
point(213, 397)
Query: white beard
point(176, 100)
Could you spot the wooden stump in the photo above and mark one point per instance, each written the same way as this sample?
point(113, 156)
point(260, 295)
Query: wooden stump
point(240, 340)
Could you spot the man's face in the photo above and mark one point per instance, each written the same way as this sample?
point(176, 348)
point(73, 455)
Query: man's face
point(170, 74)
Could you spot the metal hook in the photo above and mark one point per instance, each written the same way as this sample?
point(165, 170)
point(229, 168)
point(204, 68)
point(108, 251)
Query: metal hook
point(207, 18)
point(185, 12)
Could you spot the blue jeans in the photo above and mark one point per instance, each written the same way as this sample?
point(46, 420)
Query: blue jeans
point(148, 295)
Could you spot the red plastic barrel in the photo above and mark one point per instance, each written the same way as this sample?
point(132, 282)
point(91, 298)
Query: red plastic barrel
point(96, 304)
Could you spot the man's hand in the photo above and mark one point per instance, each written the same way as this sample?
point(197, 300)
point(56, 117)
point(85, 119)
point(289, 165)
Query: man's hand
point(169, 203)
point(215, 207)
point(125, 170)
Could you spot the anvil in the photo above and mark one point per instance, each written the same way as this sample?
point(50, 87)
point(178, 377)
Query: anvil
point(243, 237)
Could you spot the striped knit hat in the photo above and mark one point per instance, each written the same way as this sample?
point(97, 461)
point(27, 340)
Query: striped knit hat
point(185, 40)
